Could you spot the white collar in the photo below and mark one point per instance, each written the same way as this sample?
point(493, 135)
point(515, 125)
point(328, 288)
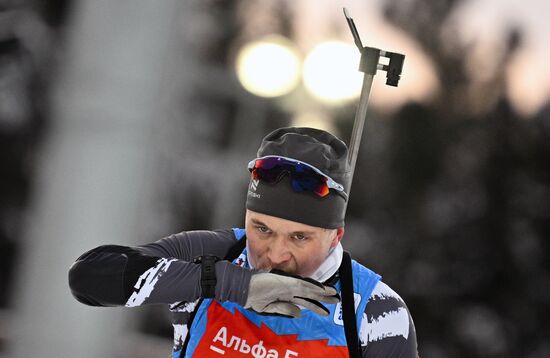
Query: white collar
point(330, 265)
point(327, 268)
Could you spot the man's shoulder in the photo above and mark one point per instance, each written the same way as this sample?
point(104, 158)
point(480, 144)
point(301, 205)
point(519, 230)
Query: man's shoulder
point(214, 242)
point(186, 245)
point(384, 298)
point(387, 322)
point(219, 234)
point(361, 272)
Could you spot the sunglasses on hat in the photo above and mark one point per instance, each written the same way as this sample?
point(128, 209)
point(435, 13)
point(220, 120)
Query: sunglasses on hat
point(304, 177)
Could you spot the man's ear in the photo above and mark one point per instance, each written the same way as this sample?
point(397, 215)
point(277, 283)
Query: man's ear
point(338, 237)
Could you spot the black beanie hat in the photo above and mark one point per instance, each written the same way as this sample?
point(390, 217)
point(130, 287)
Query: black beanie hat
point(315, 147)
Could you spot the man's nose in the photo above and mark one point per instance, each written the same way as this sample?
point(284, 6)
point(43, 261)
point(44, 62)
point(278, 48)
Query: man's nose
point(278, 252)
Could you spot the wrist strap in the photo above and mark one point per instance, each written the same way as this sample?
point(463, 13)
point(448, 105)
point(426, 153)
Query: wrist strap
point(208, 274)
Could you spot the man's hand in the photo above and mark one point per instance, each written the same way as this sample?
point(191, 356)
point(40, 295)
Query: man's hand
point(281, 294)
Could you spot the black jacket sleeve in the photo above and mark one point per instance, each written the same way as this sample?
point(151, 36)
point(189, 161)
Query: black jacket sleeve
point(105, 275)
point(160, 272)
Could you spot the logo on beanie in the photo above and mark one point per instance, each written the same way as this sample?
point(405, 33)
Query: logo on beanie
point(254, 184)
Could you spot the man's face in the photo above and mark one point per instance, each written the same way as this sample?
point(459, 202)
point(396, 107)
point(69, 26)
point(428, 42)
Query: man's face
point(275, 243)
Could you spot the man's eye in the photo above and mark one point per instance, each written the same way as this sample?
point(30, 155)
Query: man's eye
point(300, 237)
point(262, 229)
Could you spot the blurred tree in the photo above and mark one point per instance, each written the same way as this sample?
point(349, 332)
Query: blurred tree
point(28, 31)
point(27, 34)
point(466, 201)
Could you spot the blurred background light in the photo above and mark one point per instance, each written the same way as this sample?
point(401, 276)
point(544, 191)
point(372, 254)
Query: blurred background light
point(331, 72)
point(269, 67)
